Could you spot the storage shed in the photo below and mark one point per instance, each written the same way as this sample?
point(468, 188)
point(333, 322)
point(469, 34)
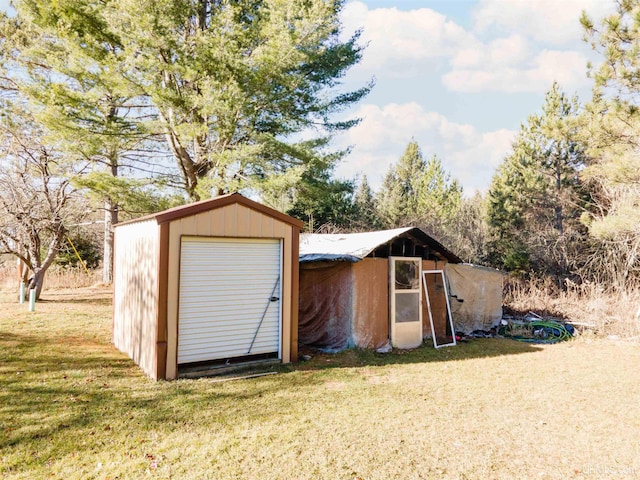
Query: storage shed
point(365, 289)
point(206, 284)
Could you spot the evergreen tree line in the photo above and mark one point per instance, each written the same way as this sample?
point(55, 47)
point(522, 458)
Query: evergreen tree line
point(562, 205)
point(565, 202)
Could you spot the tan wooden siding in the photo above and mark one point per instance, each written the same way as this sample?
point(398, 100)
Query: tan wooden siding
point(136, 294)
point(234, 220)
point(371, 302)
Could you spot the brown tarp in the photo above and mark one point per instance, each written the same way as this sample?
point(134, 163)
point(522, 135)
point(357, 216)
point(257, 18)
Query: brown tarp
point(326, 305)
point(344, 304)
point(476, 296)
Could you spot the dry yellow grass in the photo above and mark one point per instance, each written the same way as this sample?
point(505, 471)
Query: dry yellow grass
point(615, 314)
point(71, 406)
point(56, 277)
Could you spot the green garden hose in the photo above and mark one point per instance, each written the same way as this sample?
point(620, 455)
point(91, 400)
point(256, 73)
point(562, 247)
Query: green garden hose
point(542, 331)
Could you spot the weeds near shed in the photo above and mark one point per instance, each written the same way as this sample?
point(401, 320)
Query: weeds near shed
point(602, 313)
point(56, 277)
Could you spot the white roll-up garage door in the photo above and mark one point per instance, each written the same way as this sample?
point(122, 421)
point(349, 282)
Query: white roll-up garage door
point(230, 302)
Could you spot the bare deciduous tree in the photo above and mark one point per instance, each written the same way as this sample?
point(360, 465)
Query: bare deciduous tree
point(37, 201)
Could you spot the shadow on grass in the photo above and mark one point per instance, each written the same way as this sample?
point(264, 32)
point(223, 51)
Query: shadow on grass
point(51, 387)
point(99, 299)
point(362, 357)
point(473, 349)
point(60, 399)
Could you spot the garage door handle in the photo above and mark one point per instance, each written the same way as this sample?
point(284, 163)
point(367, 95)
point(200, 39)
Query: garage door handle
point(272, 298)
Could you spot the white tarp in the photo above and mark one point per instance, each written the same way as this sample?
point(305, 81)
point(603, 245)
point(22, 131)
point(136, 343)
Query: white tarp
point(344, 246)
point(476, 296)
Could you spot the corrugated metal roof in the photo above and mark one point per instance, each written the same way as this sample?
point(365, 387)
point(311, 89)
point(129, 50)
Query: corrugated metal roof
point(353, 247)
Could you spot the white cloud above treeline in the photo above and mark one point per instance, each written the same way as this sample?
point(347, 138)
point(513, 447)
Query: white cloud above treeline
point(548, 22)
point(508, 47)
point(513, 46)
point(408, 39)
point(533, 75)
point(385, 131)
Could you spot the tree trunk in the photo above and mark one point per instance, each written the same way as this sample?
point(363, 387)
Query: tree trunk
point(40, 267)
point(110, 219)
point(23, 275)
point(185, 163)
point(36, 282)
point(558, 206)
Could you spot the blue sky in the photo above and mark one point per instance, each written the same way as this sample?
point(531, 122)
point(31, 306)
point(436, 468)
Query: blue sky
point(459, 77)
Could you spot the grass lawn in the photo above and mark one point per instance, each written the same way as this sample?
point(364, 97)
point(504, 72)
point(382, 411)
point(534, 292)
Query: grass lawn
point(71, 406)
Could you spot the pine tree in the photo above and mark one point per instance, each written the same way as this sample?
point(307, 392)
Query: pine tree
point(233, 82)
point(536, 197)
point(365, 209)
point(322, 203)
point(228, 85)
point(398, 199)
point(390, 201)
point(439, 196)
point(611, 123)
point(71, 79)
point(418, 192)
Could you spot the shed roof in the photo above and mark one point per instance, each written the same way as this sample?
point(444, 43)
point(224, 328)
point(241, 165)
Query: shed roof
point(353, 247)
point(213, 203)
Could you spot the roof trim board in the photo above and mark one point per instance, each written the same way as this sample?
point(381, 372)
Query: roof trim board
point(210, 204)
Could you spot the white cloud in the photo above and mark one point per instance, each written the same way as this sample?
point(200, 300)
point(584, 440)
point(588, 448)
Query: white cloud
point(380, 139)
point(551, 22)
point(536, 75)
point(512, 46)
point(502, 51)
point(502, 54)
point(477, 162)
point(399, 42)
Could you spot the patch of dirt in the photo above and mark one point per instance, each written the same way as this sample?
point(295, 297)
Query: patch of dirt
point(100, 295)
point(335, 385)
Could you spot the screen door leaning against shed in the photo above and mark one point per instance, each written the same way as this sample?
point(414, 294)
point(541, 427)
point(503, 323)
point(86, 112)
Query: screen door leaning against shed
point(405, 294)
point(230, 298)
